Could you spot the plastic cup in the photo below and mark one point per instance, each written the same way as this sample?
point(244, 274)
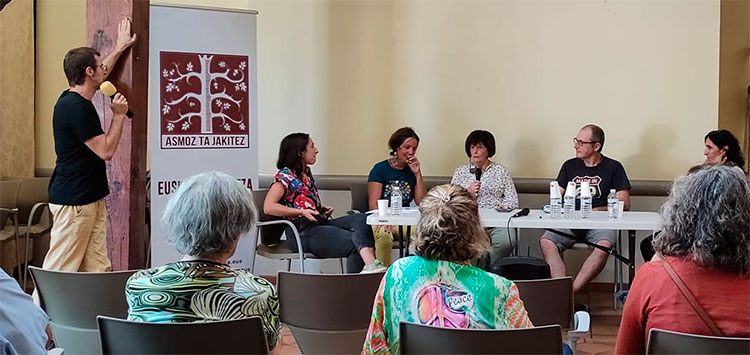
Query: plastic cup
point(620, 208)
point(382, 207)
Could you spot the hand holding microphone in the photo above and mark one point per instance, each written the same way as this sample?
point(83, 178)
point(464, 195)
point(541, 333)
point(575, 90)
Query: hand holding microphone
point(119, 103)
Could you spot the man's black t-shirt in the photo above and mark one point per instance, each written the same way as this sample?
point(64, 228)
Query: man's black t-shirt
point(608, 174)
point(80, 176)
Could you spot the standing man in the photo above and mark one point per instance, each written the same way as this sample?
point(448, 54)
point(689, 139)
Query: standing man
point(603, 174)
point(78, 240)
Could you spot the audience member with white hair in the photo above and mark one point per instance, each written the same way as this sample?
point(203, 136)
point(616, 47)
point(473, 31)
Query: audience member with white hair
point(205, 219)
point(704, 245)
point(438, 286)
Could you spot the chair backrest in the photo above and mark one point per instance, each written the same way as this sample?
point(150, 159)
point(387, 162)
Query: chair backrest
point(33, 191)
point(327, 313)
point(424, 339)
point(270, 234)
point(76, 298)
point(669, 342)
point(8, 198)
point(240, 336)
point(359, 197)
point(548, 301)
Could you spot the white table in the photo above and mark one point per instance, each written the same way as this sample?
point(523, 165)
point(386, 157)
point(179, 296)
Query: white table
point(630, 221)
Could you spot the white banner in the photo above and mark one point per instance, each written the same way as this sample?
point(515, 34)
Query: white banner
point(203, 107)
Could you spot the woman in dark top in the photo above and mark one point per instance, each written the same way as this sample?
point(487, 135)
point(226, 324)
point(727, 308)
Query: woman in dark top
point(401, 170)
point(294, 196)
point(722, 147)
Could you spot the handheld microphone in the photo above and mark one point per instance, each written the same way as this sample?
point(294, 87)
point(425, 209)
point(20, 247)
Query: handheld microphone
point(478, 173)
point(521, 213)
point(109, 89)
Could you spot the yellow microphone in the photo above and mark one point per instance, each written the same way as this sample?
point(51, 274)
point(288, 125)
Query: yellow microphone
point(110, 90)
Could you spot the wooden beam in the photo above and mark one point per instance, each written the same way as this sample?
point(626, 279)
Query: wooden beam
point(127, 241)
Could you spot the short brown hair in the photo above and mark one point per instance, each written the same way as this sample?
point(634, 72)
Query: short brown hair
point(398, 138)
point(480, 136)
point(449, 227)
point(75, 63)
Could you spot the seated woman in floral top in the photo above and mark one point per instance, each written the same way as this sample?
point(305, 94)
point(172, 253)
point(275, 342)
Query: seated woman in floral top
point(437, 286)
point(205, 219)
point(490, 183)
point(293, 195)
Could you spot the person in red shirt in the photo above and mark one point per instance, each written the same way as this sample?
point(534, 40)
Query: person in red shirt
point(706, 240)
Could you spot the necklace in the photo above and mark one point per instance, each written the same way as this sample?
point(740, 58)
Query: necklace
point(394, 163)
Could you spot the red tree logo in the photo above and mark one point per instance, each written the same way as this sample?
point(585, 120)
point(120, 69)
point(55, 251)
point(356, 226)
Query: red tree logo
point(204, 100)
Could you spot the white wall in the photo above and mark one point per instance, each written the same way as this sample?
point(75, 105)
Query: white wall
point(533, 72)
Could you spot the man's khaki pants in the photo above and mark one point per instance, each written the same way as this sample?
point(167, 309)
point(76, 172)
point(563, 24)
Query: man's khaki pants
point(78, 240)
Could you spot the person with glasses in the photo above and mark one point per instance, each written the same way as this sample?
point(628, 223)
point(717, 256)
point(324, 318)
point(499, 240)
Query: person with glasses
point(78, 186)
point(603, 174)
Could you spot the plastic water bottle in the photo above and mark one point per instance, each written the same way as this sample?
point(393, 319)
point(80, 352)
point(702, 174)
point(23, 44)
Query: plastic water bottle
point(555, 200)
point(612, 204)
point(585, 199)
point(569, 206)
point(396, 201)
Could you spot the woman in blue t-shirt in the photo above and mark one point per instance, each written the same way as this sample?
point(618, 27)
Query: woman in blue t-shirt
point(402, 169)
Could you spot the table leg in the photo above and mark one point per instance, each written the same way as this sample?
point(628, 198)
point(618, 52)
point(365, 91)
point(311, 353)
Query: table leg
point(401, 242)
point(631, 257)
point(407, 237)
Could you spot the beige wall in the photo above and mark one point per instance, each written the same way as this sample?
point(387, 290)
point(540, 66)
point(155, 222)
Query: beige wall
point(17, 89)
point(60, 26)
point(532, 72)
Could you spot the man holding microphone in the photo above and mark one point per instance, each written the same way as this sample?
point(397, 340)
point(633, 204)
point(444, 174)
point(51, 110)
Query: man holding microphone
point(78, 240)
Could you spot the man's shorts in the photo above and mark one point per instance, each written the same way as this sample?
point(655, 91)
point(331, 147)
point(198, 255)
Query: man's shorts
point(592, 235)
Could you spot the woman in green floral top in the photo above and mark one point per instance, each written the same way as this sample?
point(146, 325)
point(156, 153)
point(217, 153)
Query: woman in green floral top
point(205, 219)
point(438, 286)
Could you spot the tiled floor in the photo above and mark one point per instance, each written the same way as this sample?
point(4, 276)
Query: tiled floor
point(605, 323)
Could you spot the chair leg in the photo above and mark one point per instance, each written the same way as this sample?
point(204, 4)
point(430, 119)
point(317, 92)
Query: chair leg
point(341, 264)
point(288, 264)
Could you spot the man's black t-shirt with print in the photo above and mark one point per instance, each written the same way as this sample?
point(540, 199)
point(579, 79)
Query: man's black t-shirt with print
point(80, 176)
point(608, 174)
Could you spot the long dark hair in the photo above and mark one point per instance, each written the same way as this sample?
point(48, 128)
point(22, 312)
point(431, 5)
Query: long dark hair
point(723, 138)
point(290, 152)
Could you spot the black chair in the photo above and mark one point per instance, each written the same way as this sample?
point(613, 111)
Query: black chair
point(241, 336)
point(333, 313)
point(669, 342)
point(72, 301)
point(423, 339)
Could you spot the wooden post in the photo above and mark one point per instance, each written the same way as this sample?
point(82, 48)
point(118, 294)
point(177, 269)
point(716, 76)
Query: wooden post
point(126, 172)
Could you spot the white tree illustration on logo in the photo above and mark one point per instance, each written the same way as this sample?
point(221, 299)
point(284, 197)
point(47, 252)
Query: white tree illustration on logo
point(212, 102)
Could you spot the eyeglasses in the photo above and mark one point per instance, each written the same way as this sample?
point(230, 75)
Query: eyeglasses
point(577, 141)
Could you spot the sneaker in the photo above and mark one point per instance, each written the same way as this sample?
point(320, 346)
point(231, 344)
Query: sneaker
point(373, 267)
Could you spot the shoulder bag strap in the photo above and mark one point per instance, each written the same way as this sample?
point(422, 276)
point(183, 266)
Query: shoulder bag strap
point(691, 299)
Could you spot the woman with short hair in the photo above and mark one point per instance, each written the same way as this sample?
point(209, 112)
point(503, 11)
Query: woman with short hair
point(490, 183)
point(438, 286)
point(705, 242)
point(294, 196)
point(205, 219)
point(401, 170)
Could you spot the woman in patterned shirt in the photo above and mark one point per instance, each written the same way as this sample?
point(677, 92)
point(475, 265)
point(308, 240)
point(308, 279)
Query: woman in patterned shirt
point(493, 189)
point(438, 286)
point(294, 196)
point(205, 219)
